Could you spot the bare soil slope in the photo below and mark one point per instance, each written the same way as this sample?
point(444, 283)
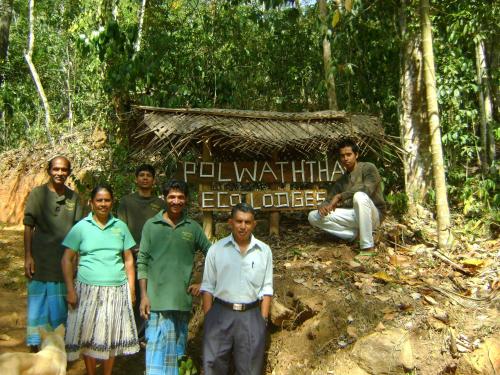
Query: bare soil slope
point(335, 303)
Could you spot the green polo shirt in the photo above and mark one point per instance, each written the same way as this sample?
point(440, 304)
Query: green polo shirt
point(100, 249)
point(52, 216)
point(135, 209)
point(166, 258)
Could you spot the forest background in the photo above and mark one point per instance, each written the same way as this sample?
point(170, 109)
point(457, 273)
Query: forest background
point(69, 68)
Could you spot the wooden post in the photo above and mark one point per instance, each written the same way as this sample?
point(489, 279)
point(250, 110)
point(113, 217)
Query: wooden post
point(274, 217)
point(208, 219)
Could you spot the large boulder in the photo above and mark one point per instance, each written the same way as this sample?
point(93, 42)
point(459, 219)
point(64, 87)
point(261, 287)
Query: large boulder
point(483, 361)
point(384, 353)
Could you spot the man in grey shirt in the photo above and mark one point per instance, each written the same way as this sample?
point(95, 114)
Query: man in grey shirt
point(237, 292)
point(355, 205)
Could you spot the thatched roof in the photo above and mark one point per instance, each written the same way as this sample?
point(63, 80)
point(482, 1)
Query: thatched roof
point(173, 130)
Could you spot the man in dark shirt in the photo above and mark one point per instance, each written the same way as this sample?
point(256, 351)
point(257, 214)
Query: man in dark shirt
point(135, 209)
point(355, 205)
point(51, 211)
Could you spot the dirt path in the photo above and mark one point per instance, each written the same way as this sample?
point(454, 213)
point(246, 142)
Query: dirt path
point(335, 298)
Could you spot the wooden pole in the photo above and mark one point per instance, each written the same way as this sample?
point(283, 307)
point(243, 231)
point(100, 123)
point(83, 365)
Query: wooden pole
point(274, 217)
point(208, 219)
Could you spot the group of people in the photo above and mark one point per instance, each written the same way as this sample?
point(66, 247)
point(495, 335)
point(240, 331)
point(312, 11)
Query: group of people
point(117, 281)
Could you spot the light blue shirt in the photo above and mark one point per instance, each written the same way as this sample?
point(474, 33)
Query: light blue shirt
point(235, 277)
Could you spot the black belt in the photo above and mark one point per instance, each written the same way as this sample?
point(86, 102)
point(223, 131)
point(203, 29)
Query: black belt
point(238, 306)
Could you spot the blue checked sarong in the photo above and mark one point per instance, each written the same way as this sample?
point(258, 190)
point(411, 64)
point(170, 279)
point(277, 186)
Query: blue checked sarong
point(166, 337)
point(46, 308)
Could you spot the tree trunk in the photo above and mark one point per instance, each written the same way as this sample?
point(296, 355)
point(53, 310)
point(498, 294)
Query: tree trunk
point(67, 69)
point(137, 44)
point(33, 71)
point(327, 56)
point(108, 10)
point(274, 216)
point(485, 109)
point(413, 129)
point(5, 18)
point(445, 237)
point(208, 217)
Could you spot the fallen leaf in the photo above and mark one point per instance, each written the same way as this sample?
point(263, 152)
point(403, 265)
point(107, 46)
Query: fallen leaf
point(383, 276)
point(383, 298)
point(5, 337)
point(430, 300)
point(472, 263)
point(387, 310)
point(400, 261)
point(390, 316)
point(440, 315)
point(354, 265)
point(380, 327)
point(299, 280)
point(351, 331)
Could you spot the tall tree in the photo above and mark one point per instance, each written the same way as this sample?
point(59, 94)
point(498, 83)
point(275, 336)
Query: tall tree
point(5, 18)
point(34, 74)
point(327, 55)
point(445, 236)
point(485, 107)
point(414, 131)
point(142, 11)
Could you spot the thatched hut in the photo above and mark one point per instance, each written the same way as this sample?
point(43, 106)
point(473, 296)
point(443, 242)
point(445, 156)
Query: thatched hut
point(251, 133)
point(226, 134)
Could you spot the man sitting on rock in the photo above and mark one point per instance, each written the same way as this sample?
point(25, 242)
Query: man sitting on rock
point(355, 205)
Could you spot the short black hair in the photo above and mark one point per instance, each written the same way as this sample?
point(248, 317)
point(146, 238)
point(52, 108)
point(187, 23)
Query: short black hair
point(175, 185)
point(49, 164)
point(347, 142)
point(243, 207)
point(145, 167)
point(100, 187)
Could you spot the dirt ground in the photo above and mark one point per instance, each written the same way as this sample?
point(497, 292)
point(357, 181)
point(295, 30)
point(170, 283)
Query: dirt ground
point(333, 297)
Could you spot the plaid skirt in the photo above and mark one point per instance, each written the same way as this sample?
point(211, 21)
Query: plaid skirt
point(102, 325)
point(46, 308)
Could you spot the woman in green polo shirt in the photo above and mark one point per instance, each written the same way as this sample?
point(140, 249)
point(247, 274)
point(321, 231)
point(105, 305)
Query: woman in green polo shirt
point(100, 319)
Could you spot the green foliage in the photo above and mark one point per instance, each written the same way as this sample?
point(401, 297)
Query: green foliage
point(480, 194)
point(186, 366)
point(261, 55)
point(398, 203)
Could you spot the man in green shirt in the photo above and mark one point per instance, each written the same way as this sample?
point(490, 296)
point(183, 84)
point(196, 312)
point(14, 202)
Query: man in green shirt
point(165, 269)
point(355, 205)
point(50, 212)
point(135, 209)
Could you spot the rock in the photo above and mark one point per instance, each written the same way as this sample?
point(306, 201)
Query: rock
point(441, 315)
point(346, 366)
point(9, 320)
point(483, 361)
point(384, 353)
